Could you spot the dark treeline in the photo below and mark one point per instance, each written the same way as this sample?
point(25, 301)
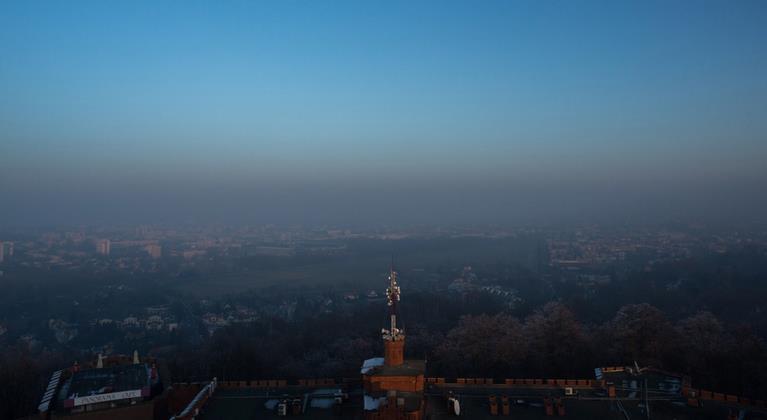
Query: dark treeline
point(551, 342)
point(23, 378)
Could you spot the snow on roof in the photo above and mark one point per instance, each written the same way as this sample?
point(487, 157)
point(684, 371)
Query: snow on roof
point(372, 403)
point(369, 364)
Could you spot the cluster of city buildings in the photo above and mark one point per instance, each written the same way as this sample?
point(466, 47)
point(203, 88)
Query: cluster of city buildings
point(595, 246)
point(586, 246)
point(469, 282)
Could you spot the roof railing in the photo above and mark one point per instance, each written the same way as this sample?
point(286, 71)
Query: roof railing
point(193, 408)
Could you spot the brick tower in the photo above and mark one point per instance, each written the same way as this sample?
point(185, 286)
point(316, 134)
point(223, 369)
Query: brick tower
point(393, 385)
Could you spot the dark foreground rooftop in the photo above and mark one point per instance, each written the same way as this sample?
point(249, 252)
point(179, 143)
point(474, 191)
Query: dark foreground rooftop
point(524, 403)
point(246, 404)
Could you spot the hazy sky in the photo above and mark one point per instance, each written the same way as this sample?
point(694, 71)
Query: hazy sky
point(539, 111)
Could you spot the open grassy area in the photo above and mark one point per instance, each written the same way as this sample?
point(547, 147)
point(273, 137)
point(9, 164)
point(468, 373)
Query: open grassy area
point(365, 264)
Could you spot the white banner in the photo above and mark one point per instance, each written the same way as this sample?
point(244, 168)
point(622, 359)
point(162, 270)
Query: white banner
point(92, 399)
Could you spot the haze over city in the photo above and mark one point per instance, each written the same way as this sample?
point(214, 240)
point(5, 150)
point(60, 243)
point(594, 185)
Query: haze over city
point(392, 210)
point(140, 112)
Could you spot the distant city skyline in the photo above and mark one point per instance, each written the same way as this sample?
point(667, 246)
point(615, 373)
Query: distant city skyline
point(397, 112)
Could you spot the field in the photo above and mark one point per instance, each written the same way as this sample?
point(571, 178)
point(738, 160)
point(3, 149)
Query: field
point(365, 263)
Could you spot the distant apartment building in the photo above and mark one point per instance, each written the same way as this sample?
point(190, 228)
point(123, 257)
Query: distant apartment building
point(103, 246)
point(154, 250)
point(6, 250)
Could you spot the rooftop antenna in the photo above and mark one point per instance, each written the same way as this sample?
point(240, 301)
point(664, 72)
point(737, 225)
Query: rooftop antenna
point(392, 297)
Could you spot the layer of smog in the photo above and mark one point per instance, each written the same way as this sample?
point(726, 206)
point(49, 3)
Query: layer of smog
point(383, 211)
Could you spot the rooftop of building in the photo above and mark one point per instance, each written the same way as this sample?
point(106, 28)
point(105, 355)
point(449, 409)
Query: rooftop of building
point(408, 368)
point(478, 407)
point(524, 402)
point(106, 380)
point(112, 382)
point(246, 404)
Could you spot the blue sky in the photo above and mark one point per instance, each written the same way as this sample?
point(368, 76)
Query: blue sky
point(248, 102)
